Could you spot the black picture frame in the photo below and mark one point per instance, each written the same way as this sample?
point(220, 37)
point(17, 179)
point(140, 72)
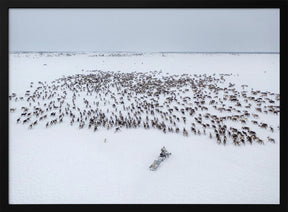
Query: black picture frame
point(4, 89)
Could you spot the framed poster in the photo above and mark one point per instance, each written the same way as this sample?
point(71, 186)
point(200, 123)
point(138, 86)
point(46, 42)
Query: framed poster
point(143, 103)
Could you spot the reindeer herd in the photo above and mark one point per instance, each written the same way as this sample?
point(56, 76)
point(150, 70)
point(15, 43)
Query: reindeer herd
point(184, 104)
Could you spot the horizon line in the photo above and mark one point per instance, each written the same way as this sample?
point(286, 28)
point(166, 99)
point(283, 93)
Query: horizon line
point(195, 52)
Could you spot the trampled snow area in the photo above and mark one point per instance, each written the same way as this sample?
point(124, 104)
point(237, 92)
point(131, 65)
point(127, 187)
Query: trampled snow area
point(62, 164)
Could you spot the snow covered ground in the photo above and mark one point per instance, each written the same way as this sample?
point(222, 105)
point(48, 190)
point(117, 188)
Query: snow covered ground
point(65, 165)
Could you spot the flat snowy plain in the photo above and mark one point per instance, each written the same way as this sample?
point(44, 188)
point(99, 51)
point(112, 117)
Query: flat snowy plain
point(65, 165)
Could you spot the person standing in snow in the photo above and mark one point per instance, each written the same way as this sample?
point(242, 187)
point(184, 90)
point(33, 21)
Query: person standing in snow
point(163, 152)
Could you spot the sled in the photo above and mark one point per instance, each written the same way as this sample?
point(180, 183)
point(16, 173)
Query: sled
point(156, 163)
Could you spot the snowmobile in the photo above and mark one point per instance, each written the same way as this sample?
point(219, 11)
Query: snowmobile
point(162, 157)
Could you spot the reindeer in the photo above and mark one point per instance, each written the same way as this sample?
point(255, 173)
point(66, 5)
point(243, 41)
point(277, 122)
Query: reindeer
point(185, 133)
point(271, 139)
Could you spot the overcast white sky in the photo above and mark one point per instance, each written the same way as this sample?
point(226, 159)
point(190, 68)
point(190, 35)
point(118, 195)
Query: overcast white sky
point(144, 30)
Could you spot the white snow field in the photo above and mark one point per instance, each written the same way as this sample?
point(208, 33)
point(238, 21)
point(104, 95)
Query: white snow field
point(62, 164)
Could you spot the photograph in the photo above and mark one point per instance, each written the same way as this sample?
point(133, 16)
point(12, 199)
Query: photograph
point(144, 106)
